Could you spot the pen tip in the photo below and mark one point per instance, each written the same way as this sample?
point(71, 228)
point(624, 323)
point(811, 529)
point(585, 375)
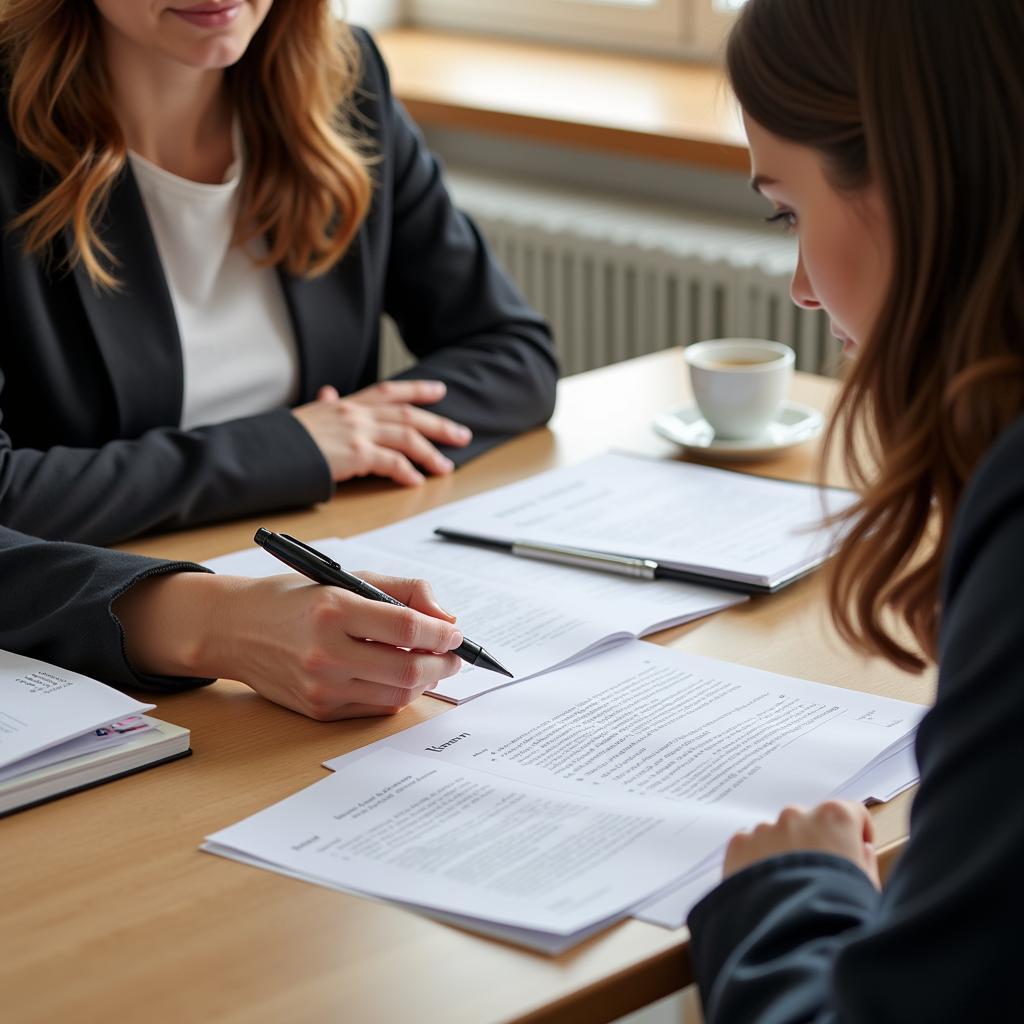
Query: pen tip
point(489, 662)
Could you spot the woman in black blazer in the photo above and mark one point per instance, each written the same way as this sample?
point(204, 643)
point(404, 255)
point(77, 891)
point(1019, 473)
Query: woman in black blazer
point(887, 137)
point(350, 210)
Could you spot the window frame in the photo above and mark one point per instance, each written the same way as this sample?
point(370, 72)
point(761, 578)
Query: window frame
point(691, 28)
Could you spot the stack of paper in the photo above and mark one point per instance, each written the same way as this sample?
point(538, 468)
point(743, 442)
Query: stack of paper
point(61, 731)
point(548, 810)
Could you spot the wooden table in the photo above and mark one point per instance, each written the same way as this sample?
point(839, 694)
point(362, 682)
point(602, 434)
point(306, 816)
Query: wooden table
point(110, 911)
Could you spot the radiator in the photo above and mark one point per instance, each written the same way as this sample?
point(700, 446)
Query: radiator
point(621, 279)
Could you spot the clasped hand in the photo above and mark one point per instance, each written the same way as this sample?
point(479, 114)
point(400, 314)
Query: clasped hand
point(382, 431)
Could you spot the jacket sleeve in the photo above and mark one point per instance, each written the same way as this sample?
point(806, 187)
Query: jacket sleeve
point(55, 605)
point(164, 480)
point(457, 310)
point(803, 937)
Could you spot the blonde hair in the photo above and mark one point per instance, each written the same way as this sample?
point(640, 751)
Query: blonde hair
point(306, 187)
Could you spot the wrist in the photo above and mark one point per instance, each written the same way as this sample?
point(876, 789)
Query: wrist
point(174, 625)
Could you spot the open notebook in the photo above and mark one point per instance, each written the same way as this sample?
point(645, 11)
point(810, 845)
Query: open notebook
point(61, 732)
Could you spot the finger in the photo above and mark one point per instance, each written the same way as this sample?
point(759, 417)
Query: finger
point(380, 695)
point(415, 392)
point(792, 815)
point(365, 711)
point(841, 813)
point(327, 394)
point(400, 627)
point(871, 865)
point(736, 854)
point(402, 670)
point(867, 831)
point(416, 594)
point(411, 443)
point(429, 424)
point(393, 465)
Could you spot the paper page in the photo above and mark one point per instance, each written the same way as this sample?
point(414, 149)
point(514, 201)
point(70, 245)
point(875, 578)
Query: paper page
point(524, 632)
point(110, 735)
point(638, 606)
point(41, 705)
point(886, 778)
point(465, 842)
point(642, 721)
point(576, 795)
point(532, 938)
point(678, 513)
point(890, 775)
point(528, 615)
point(672, 910)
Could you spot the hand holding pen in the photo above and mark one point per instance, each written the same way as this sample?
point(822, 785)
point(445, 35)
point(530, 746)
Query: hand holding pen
point(323, 569)
point(320, 651)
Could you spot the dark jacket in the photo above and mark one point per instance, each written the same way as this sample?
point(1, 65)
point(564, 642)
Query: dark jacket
point(805, 937)
point(55, 605)
point(91, 382)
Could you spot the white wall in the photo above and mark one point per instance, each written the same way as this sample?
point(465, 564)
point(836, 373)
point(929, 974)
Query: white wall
point(371, 13)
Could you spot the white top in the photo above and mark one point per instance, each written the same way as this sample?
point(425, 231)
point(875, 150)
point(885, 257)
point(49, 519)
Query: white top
point(237, 341)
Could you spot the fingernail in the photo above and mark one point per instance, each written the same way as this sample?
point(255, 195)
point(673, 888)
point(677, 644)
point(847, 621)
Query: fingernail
point(445, 465)
point(455, 640)
point(463, 433)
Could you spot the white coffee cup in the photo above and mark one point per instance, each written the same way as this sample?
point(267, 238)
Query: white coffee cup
point(739, 383)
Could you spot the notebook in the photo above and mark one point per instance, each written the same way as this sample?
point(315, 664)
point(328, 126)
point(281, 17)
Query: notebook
point(61, 732)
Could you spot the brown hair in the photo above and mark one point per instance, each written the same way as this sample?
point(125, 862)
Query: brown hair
point(925, 100)
point(306, 187)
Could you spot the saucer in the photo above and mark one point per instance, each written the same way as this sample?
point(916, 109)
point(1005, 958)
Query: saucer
point(793, 424)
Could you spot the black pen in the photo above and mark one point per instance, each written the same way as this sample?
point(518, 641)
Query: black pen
point(320, 568)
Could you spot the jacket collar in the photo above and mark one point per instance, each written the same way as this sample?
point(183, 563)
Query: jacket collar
point(332, 316)
point(134, 326)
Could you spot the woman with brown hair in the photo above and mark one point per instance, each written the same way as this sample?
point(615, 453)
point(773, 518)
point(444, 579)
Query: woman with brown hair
point(887, 136)
point(207, 205)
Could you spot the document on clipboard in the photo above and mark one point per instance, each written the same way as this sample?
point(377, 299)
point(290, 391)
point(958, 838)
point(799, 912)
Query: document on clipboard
point(659, 519)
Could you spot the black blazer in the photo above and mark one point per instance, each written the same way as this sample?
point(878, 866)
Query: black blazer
point(805, 936)
point(55, 604)
point(91, 383)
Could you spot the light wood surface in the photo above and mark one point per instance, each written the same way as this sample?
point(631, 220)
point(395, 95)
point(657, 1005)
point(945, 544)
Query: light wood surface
point(635, 106)
point(110, 910)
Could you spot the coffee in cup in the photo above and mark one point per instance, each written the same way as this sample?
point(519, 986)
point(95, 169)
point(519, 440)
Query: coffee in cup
point(739, 383)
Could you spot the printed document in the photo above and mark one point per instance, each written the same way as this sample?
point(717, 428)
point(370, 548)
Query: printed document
point(726, 525)
point(577, 796)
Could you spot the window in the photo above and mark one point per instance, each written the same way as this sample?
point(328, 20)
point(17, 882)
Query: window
point(691, 27)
